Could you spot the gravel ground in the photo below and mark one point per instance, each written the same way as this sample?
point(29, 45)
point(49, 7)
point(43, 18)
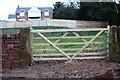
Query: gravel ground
point(63, 69)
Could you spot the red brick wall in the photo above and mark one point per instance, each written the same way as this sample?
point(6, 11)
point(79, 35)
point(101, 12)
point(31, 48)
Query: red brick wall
point(22, 17)
point(45, 17)
point(16, 49)
point(26, 15)
point(10, 51)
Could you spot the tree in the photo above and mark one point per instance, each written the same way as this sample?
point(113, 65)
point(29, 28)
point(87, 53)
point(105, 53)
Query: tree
point(90, 11)
point(99, 11)
point(57, 6)
point(67, 11)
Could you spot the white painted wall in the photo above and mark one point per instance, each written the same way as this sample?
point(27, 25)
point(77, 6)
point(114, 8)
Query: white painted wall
point(34, 12)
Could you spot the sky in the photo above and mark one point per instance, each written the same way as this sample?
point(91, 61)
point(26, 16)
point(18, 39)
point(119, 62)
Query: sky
point(9, 6)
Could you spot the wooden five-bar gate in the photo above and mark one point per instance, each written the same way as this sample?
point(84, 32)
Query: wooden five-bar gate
point(70, 44)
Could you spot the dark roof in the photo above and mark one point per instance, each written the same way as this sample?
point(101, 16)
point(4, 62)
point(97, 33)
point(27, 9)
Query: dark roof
point(43, 8)
point(11, 16)
point(28, 8)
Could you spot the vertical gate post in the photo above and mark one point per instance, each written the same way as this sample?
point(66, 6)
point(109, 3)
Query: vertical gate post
point(114, 44)
point(25, 48)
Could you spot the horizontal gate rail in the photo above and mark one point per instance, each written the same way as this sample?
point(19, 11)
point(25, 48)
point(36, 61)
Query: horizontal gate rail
point(69, 30)
point(97, 57)
point(70, 37)
point(88, 46)
point(81, 54)
point(65, 49)
point(54, 45)
point(46, 44)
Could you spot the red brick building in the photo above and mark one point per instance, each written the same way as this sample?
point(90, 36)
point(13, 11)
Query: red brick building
point(33, 13)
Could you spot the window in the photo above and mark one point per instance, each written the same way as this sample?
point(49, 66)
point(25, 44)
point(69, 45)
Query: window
point(22, 14)
point(46, 13)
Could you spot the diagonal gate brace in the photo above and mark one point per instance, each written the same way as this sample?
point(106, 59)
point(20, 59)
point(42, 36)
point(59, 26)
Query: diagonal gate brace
point(87, 44)
point(57, 48)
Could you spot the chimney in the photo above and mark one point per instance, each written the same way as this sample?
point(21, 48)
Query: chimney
point(18, 6)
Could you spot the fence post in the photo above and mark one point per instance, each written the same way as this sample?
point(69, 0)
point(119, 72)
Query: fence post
point(108, 37)
point(114, 44)
point(25, 48)
point(31, 45)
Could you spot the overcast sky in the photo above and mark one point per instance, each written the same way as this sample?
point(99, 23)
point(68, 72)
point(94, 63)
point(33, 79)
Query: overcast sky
point(9, 6)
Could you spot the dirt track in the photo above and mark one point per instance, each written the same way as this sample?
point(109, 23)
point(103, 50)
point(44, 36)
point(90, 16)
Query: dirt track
point(61, 69)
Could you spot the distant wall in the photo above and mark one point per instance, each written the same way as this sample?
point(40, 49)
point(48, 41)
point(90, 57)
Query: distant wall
point(91, 24)
point(55, 22)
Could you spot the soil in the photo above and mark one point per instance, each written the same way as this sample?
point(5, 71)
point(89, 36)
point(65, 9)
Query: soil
point(63, 69)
